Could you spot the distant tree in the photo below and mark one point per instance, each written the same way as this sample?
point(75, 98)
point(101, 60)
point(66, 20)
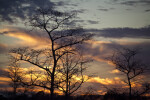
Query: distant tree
point(30, 79)
point(15, 74)
point(71, 71)
point(126, 61)
point(90, 90)
point(57, 26)
point(145, 89)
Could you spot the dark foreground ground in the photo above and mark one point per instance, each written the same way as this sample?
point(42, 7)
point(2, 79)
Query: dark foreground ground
point(42, 96)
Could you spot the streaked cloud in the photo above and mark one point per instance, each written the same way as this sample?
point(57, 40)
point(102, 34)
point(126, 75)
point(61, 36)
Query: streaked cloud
point(132, 2)
point(102, 9)
point(106, 81)
point(3, 72)
point(138, 2)
point(147, 10)
point(93, 22)
point(5, 79)
point(25, 38)
point(125, 32)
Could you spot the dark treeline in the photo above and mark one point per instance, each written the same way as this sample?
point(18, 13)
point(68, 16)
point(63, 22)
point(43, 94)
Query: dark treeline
point(43, 96)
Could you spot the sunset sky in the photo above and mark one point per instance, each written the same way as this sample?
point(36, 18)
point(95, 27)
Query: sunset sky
point(115, 23)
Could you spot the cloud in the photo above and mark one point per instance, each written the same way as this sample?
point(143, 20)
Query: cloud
point(115, 71)
point(128, 9)
point(132, 2)
point(101, 50)
point(76, 22)
point(98, 50)
point(19, 37)
point(11, 10)
point(79, 11)
point(122, 32)
point(3, 48)
point(4, 81)
point(106, 81)
point(61, 3)
point(93, 22)
point(140, 2)
point(66, 3)
point(6, 32)
point(102, 9)
point(147, 10)
point(3, 73)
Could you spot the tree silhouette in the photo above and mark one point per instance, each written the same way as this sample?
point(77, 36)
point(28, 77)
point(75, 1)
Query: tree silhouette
point(15, 74)
point(126, 62)
point(61, 36)
point(145, 89)
point(30, 80)
point(72, 68)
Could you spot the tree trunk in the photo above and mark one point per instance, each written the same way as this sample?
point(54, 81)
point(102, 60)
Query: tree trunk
point(130, 88)
point(52, 87)
point(53, 72)
point(129, 91)
point(15, 89)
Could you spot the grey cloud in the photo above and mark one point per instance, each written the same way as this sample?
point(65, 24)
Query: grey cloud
point(128, 9)
point(115, 0)
point(122, 32)
point(75, 22)
point(65, 3)
point(107, 32)
point(10, 10)
point(61, 3)
point(92, 22)
point(148, 10)
point(133, 2)
point(105, 50)
point(130, 3)
point(126, 32)
point(102, 9)
point(79, 11)
point(6, 32)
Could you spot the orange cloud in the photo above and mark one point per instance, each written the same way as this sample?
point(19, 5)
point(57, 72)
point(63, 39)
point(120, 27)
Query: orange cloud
point(106, 81)
point(4, 79)
point(97, 43)
point(25, 39)
point(4, 30)
point(22, 36)
point(114, 71)
point(6, 83)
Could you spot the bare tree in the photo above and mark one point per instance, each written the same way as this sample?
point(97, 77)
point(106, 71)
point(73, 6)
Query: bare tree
point(30, 80)
point(61, 36)
point(126, 62)
point(71, 71)
point(145, 88)
point(15, 74)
